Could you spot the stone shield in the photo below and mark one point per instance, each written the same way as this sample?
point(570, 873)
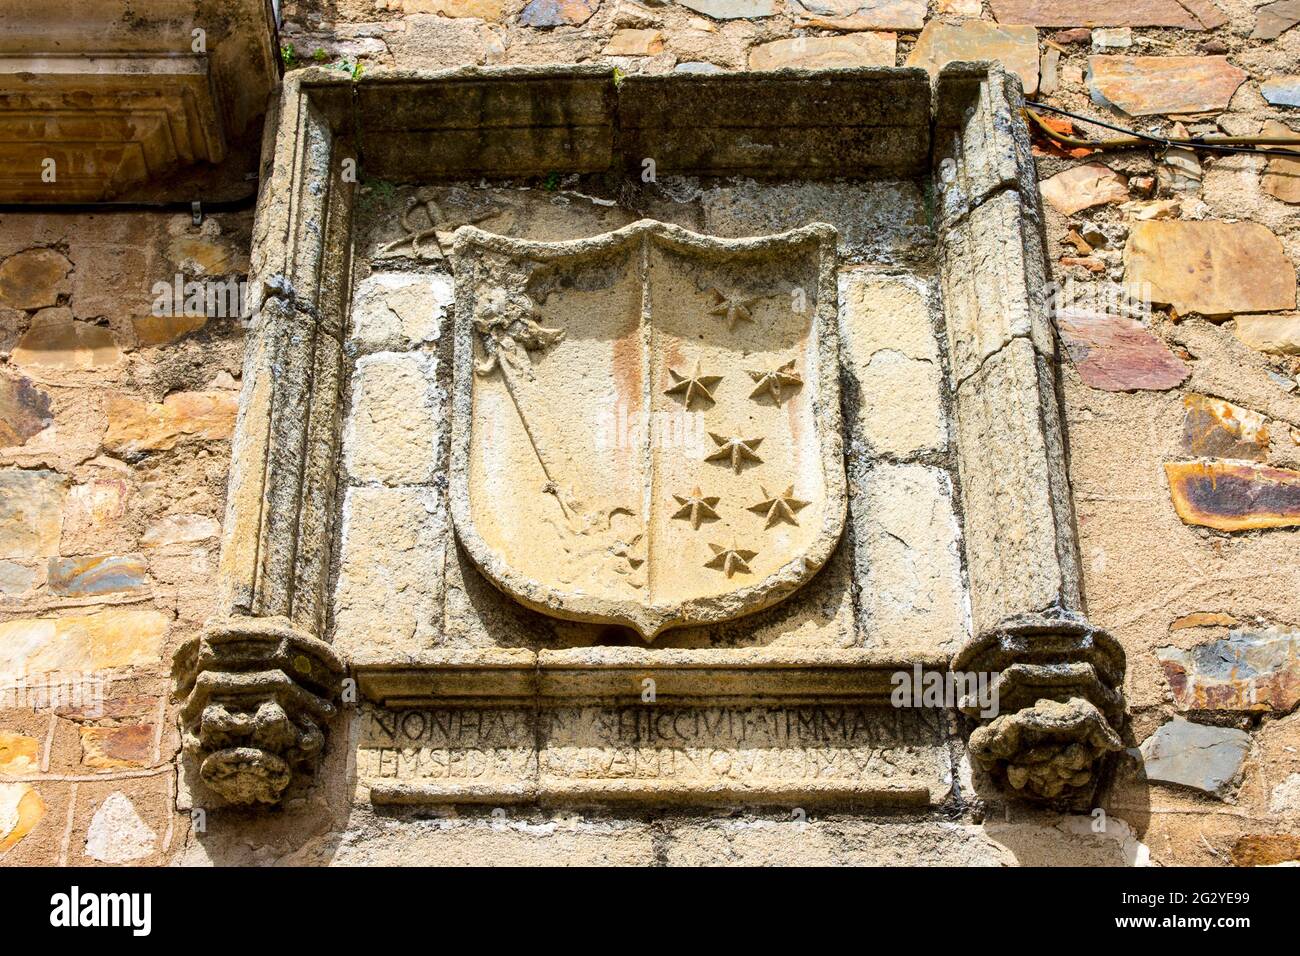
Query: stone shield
point(646, 423)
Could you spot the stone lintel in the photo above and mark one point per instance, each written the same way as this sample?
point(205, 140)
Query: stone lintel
point(697, 752)
point(616, 673)
point(803, 123)
point(547, 792)
point(519, 121)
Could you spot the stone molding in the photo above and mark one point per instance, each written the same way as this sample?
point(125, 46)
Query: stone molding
point(1060, 680)
point(1061, 676)
point(125, 100)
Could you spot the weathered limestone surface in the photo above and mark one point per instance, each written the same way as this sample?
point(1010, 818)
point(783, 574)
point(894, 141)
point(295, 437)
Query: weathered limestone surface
point(889, 348)
point(750, 509)
point(395, 432)
point(908, 562)
point(390, 582)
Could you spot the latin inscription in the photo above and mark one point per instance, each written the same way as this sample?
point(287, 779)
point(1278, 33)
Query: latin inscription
point(740, 745)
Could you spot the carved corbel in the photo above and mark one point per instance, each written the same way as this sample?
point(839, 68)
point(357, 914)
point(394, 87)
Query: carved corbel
point(257, 697)
point(1059, 704)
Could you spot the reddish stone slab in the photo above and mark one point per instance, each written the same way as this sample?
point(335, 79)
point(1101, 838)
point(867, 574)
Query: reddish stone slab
point(127, 746)
point(1248, 671)
point(1152, 85)
point(1187, 14)
point(1080, 187)
point(1118, 354)
point(1234, 496)
point(1213, 428)
point(24, 410)
point(1274, 19)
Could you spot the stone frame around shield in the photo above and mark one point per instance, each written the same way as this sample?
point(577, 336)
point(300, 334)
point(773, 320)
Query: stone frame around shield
point(1060, 677)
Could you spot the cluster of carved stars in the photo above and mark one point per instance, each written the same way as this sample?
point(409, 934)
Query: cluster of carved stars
point(734, 450)
point(775, 383)
point(697, 508)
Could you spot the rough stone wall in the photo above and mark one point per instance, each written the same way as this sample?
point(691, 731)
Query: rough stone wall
point(114, 428)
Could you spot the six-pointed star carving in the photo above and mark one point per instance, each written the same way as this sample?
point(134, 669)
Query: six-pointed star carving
point(730, 560)
point(775, 381)
point(779, 508)
point(737, 450)
point(733, 307)
point(693, 386)
point(697, 508)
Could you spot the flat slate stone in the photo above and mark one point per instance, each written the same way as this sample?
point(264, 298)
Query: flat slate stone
point(1234, 496)
point(1080, 187)
point(557, 13)
point(1275, 334)
point(24, 410)
point(1251, 671)
point(862, 14)
point(1016, 47)
point(31, 512)
point(96, 574)
point(1185, 14)
point(1152, 85)
point(1117, 353)
point(1194, 755)
point(33, 279)
point(857, 49)
point(1274, 19)
point(635, 43)
point(1212, 268)
point(1282, 90)
point(1213, 428)
point(1281, 179)
point(731, 9)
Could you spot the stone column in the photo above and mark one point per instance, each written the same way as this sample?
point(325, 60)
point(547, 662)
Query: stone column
point(1059, 678)
point(259, 684)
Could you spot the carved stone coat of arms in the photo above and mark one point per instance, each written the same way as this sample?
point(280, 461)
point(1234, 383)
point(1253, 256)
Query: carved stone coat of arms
point(647, 423)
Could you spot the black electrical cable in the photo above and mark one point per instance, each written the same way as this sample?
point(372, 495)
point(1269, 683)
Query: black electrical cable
point(1165, 142)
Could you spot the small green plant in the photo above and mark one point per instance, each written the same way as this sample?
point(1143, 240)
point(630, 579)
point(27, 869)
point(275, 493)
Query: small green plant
point(375, 194)
point(319, 55)
point(551, 182)
point(619, 76)
point(289, 56)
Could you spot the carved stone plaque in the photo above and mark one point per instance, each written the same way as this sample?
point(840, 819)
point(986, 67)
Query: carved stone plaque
point(644, 432)
point(646, 424)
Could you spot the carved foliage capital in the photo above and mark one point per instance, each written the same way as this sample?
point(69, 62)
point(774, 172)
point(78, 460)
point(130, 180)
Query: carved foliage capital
point(1060, 706)
point(257, 697)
